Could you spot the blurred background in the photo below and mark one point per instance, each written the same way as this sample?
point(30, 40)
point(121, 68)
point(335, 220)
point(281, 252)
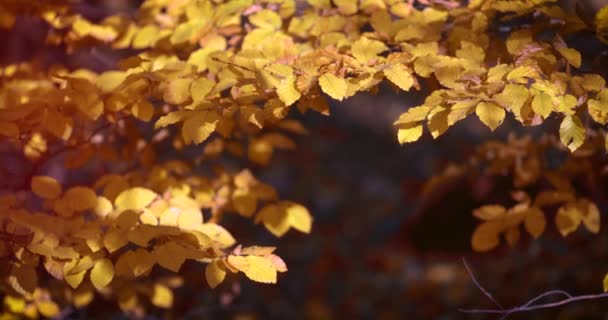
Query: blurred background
point(380, 248)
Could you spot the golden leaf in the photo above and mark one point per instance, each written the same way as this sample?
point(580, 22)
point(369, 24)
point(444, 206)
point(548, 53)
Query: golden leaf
point(177, 91)
point(485, 237)
point(490, 212)
point(413, 115)
point(102, 273)
point(571, 55)
point(535, 222)
point(333, 86)
point(198, 126)
point(46, 187)
point(48, 309)
point(162, 296)
point(409, 133)
point(80, 198)
point(542, 104)
point(572, 133)
point(568, 219)
point(598, 110)
point(279, 217)
point(491, 114)
point(134, 199)
point(214, 274)
point(399, 74)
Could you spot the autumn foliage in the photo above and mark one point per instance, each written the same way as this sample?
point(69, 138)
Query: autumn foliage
point(228, 76)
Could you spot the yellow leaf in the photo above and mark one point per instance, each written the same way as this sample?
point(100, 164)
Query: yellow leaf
point(143, 110)
point(287, 91)
point(259, 269)
point(110, 80)
point(170, 256)
point(162, 296)
point(102, 273)
point(260, 151)
point(591, 215)
point(145, 37)
point(571, 55)
point(409, 133)
point(200, 88)
point(522, 73)
point(114, 240)
point(567, 103)
point(82, 297)
point(333, 86)
point(244, 202)
point(438, 121)
point(346, 7)
point(490, 212)
point(299, 217)
point(491, 114)
point(320, 4)
point(535, 222)
point(169, 119)
point(217, 233)
point(485, 237)
point(257, 251)
point(134, 199)
point(513, 96)
point(142, 262)
point(177, 91)
point(593, 82)
point(542, 104)
point(413, 115)
point(74, 280)
point(274, 220)
point(185, 31)
point(606, 283)
point(199, 126)
point(448, 74)
point(598, 110)
point(471, 51)
point(48, 309)
point(519, 40)
point(14, 304)
point(189, 218)
point(601, 23)
point(461, 110)
point(214, 274)
point(400, 75)
point(80, 198)
point(568, 219)
point(572, 133)
point(266, 19)
point(497, 73)
point(365, 49)
point(279, 217)
point(46, 187)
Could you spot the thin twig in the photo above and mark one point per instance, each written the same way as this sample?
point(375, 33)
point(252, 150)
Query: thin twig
point(482, 289)
point(531, 305)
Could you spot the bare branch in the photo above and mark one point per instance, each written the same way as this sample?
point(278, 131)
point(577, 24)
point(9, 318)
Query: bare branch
point(482, 289)
point(532, 304)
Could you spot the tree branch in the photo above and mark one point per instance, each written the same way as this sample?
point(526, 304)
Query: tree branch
point(532, 304)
